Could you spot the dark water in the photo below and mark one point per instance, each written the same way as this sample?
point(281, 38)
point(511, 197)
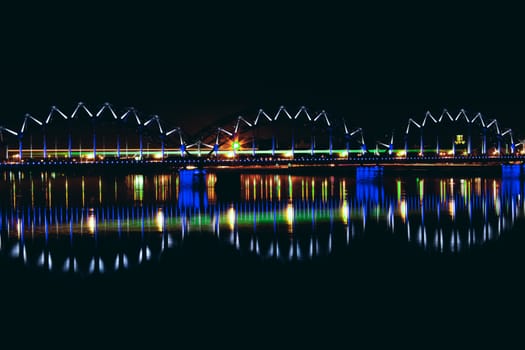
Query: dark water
point(196, 247)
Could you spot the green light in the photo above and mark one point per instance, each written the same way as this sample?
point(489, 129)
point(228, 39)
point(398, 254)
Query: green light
point(236, 145)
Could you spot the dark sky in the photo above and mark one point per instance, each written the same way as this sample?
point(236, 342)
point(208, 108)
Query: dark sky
point(194, 103)
point(374, 65)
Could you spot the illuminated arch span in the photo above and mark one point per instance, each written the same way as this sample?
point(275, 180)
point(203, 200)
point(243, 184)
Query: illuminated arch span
point(470, 124)
point(151, 127)
point(244, 135)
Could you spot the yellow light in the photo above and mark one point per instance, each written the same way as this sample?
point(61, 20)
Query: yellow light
point(157, 156)
point(231, 218)
point(230, 154)
point(401, 153)
point(450, 153)
point(89, 156)
point(344, 211)
point(452, 208)
point(403, 210)
point(288, 154)
point(289, 217)
point(160, 220)
point(459, 140)
point(343, 154)
point(91, 221)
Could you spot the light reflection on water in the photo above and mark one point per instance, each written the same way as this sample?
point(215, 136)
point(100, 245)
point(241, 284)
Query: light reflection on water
point(98, 224)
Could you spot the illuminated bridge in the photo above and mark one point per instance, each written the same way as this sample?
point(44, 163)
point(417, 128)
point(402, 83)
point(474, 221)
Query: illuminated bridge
point(105, 136)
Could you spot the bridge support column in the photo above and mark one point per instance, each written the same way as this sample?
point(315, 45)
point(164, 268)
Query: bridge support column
point(421, 144)
point(162, 148)
point(499, 145)
point(406, 146)
point(469, 141)
point(94, 146)
point(330, 142)
point(44, 144)
point(437, 146)
point(484, 142)
point(20, 149)
point(273, 146)
point(69, 145)
point(140, 145)
point(118, 146)
point(347, 149)
point(253, 146)
point(293, 144)
point(453, 148)
point(312, 146)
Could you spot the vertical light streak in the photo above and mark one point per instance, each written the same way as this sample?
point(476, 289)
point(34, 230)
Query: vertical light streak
point(290, 217)
point(290, 187)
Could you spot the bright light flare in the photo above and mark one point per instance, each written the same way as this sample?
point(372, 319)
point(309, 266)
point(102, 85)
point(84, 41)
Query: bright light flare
point(236, 145)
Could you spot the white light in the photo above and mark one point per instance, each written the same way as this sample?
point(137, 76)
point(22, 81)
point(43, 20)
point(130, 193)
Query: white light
point(92, 265)
point(65, 268)
point(15, 251)
point(41, 259)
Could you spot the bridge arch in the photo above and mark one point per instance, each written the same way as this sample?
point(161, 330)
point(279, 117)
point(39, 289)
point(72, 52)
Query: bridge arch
point(282, 133)
point(449, 135)
point(112, 134)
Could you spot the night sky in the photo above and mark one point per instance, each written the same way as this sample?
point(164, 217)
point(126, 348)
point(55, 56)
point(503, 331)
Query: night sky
point(194, 103)
point(374, 66)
